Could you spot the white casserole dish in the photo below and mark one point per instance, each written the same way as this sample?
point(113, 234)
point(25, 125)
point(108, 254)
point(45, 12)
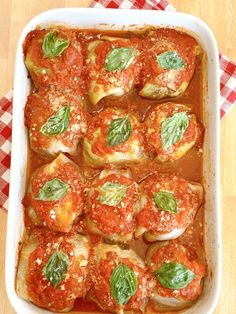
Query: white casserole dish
point(90, 18)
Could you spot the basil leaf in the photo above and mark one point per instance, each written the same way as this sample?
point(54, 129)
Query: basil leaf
point(174, 275)
point(165, 201)
point(119, 131)
point(53, 190)
point(54, 46)
point(57, 123)
point(119, 58)
point(123, 283)
point(112, 193)
point(170, 60)
point(56, 268)
point(173, 128)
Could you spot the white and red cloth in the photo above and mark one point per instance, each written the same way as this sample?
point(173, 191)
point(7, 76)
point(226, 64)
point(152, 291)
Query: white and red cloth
point(227, 88)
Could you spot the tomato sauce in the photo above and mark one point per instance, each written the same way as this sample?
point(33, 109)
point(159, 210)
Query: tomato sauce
point(106, 218)
point(160, 221)
point(43, 105)
point(101, 272)
point(65, 71)
point(73, 201)
point(174, 252)
point(155, 119)
point(102, 120)
point(167, 40)
point(43, 293)
point(190, 166)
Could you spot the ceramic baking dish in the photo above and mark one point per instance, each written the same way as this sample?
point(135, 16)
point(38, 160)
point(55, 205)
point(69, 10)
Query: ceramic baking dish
point(118, 19)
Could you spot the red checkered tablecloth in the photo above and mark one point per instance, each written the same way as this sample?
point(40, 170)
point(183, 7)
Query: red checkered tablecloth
point(227, 88)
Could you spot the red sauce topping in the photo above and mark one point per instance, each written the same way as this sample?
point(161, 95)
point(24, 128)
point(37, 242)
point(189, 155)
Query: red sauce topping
point(114, 219)
point(59, 214)
point(126, 78)
point(73, 285)
point(63, 70)
point(177, 253)
point(154, 122)
point(101, 122)
point(101, 290)
point(45, 104)
point(157, 220)
point(163, 40)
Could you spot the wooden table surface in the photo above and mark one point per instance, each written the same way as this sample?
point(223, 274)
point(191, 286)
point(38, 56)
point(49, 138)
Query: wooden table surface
point(220, 15)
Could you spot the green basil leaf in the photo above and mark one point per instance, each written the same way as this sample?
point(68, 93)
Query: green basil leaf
point(57, 123)
point(173, 128)
point(170, 60)
point(112, 193)
point(165, 201)
point(123, 283)
point(54, 46)
point(119, 58)
point(174, 275)
point(56, 268)
point(53, 190)
point(119, 131)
